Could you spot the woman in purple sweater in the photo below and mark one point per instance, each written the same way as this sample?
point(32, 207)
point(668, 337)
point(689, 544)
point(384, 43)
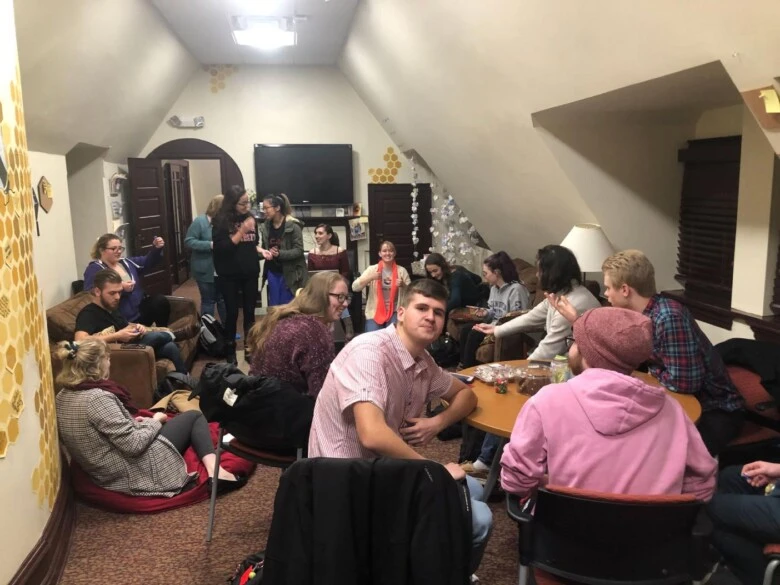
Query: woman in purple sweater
point(293, 342)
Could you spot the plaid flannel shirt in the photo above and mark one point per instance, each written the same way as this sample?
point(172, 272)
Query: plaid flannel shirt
point(684, 360)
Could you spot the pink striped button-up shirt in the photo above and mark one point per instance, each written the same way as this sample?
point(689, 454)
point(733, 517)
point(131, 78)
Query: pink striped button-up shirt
point(376, 368)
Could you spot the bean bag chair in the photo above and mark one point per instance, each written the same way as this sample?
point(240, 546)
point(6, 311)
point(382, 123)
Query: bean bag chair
point(87, 491)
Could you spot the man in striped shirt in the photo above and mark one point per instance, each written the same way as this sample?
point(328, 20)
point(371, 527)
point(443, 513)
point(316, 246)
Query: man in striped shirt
point(377, 387)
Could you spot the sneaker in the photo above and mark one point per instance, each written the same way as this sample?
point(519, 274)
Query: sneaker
point(476, 472)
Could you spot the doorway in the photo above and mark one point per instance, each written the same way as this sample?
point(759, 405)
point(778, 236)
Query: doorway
point(389, 218)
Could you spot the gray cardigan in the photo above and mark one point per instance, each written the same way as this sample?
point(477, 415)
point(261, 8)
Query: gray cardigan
point(198, 240)
point(118, 452)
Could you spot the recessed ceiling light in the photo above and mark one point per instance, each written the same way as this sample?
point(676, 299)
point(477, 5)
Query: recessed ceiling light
point(264, 34)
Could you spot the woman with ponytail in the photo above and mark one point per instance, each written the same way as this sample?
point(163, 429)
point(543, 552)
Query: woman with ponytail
point(119, 450)
point(384, 281)
point(282, 249)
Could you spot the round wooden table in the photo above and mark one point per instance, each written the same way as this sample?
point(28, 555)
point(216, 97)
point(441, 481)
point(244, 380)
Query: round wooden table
point(497, 413)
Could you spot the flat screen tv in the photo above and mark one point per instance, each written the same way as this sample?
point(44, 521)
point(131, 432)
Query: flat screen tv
point(309, 174)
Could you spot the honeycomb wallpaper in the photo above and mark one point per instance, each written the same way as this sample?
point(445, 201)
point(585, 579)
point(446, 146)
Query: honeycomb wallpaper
point(390, 170)
point(218, 76)
point(25, 363)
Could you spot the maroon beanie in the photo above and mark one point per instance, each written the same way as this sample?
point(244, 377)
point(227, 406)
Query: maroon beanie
point(614, 339)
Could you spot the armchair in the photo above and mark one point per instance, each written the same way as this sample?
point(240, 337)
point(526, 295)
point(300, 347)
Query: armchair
point(134, 368)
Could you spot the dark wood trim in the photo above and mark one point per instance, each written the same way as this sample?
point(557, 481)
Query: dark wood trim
point(46, 561)
point(194, 148)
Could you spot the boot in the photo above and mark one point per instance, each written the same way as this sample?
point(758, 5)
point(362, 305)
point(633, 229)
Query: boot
point(230, 353)
point(349, 330)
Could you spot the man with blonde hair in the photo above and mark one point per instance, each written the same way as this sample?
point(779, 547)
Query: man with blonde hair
point(683, 359)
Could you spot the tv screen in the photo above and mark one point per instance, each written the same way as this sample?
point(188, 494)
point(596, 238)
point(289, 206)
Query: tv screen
point(309, 174)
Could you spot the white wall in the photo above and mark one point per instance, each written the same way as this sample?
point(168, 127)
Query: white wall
point(205, 183)
point(283, 105)
point(90, 216)
point(55, 259)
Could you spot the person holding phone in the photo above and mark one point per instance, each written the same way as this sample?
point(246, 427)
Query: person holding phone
point(135, 306)
point(282, 248)
point(237, 261)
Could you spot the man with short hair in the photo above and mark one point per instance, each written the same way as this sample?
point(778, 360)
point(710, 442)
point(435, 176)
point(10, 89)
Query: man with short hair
point(374, 394)
point(683, 358)
point(605, 430)
point(101, 318)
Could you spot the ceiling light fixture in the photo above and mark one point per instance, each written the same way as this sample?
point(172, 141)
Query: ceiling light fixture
point(264, 33)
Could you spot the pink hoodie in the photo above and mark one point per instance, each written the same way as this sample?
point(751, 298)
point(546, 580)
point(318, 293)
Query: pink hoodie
point(607, 432)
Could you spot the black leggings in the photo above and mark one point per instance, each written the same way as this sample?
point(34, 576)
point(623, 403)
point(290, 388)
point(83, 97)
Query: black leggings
point(470, 341)
point(154, 309)
point(189, 428)
point(231, 287)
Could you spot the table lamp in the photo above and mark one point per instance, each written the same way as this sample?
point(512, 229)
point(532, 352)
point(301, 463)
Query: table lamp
point(590, 246)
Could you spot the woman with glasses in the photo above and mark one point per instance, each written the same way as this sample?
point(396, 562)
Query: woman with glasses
point(134, 305)
point(282, 248)
point(236, 261)
point(293, 342)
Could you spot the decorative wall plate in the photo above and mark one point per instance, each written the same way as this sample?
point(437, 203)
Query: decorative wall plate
point(45, 194)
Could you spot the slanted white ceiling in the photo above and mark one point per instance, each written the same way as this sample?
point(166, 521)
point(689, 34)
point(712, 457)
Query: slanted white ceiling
point(204, 28)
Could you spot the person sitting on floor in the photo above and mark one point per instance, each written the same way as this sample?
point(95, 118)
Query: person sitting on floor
point(293, 342)
point(134, 305)
point(101, 318)
point(133, 455)
point(462, 285)
point(605, 430)
point(744, 521)
point(372, 400)
point(683, 358)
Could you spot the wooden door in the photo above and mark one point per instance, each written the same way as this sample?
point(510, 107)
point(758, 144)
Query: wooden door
point(389, 218)
point(179, 208)
point(149, 218)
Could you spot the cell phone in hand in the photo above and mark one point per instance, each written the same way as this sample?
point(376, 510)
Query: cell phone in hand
point(464, 379)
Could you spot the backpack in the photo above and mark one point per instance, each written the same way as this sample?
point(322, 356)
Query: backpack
point(252, 565)
point(260, 411)
point(212, 337)
point(445, 351)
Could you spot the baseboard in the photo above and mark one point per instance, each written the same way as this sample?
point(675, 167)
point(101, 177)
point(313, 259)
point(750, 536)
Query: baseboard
point(46, 562)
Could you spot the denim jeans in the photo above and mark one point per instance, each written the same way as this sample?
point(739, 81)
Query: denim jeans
point(481, 521)
point(164, 348)
point(489, 448)
point(372, 325)
point(211, 296)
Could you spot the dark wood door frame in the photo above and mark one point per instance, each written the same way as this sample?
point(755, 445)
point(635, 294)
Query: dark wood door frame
point(196, 149)
point(178, 199)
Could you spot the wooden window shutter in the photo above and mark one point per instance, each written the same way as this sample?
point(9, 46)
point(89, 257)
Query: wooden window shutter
point(708, 219)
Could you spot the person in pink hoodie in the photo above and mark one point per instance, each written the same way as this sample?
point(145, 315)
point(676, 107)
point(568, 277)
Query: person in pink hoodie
point(605, 430)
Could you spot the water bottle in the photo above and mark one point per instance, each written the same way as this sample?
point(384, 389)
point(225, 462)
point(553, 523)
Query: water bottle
point(559, 369)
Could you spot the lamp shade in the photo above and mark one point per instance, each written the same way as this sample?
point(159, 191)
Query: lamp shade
point(590, 246)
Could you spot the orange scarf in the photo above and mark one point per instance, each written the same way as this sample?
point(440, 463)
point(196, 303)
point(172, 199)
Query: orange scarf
point(383, 315)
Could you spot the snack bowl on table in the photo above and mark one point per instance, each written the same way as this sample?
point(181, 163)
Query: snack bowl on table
point(489, 373)
point(531, 379)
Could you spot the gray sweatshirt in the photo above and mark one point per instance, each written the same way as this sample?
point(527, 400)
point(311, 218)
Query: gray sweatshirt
point(556, 326)
point(513, 296)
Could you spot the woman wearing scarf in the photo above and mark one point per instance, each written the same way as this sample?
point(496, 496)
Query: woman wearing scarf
point(383, 281)
point(120, 450)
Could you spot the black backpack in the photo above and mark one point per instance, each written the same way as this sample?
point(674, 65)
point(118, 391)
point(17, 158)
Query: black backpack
point(445, 351)
point(253, 564)
point(212, 337)
point(263, 412)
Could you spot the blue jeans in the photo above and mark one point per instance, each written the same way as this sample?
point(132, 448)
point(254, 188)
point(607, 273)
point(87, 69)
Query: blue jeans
point(489, 448)
point(164, 348)
point(211, 296)
point(278, 293)
point(372, 325)
point(481, 521)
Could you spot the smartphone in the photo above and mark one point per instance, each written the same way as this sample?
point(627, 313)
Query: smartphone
point(464, 379)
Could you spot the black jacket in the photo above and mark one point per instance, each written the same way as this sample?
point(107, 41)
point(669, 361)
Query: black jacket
point(757, 356)
point(369, 521)
point(235, 260)
point(267, 413)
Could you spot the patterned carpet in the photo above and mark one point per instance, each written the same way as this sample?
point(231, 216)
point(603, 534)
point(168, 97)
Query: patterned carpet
point(170, 548)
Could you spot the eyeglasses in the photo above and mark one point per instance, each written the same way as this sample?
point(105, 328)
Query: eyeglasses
point(569, 342)
point(116, 249)
point(267, 208)
point(243, 203)
point(341, 297)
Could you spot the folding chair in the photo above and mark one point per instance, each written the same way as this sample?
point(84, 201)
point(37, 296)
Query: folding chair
point(257, 456)
point(772, 551)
